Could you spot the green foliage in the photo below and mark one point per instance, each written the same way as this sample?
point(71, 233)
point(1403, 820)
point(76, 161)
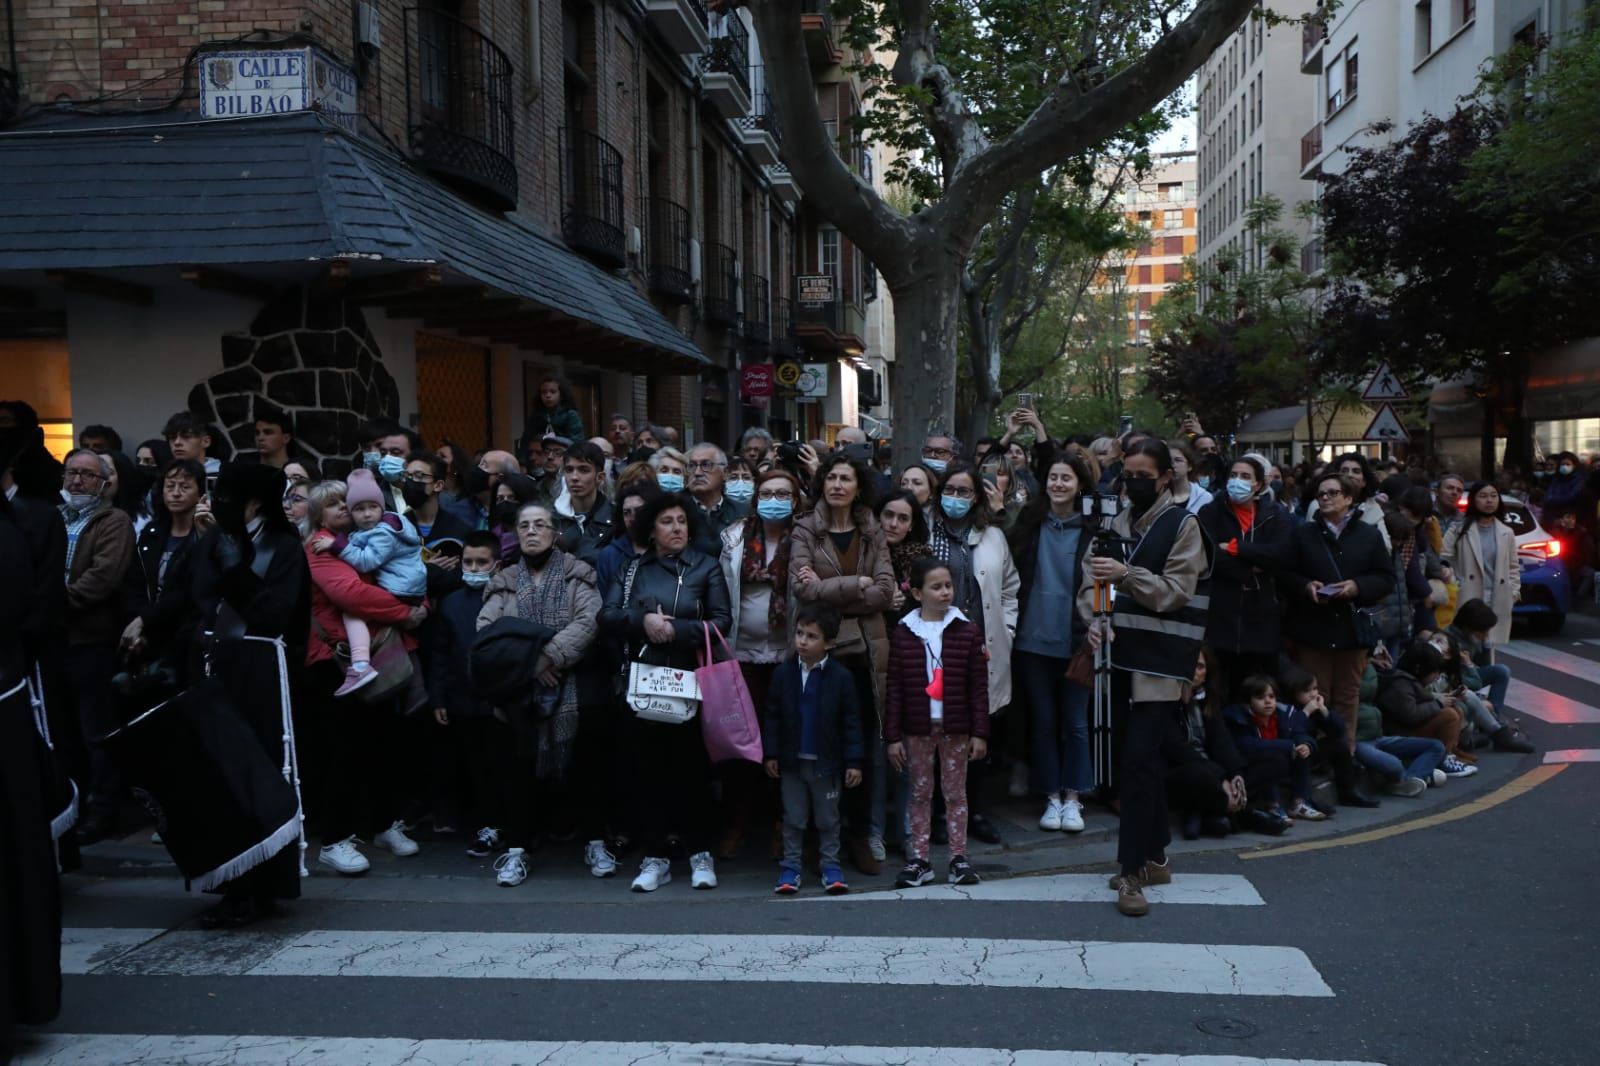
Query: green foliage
point(1235, 338)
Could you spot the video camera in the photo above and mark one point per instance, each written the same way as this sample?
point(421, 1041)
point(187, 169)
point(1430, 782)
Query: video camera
point(1099, 509)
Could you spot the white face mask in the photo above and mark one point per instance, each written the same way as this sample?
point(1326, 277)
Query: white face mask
point(79, 501)
point(475, 580)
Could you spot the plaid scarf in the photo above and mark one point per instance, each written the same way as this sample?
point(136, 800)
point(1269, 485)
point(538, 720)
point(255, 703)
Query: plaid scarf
point(755, 570)
point(546, 603)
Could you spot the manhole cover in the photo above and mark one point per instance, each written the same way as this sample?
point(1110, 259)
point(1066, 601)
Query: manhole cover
point(1232, 1028)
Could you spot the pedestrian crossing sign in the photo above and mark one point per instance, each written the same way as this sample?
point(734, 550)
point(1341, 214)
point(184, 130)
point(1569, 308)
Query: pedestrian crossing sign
point(1385, 387)
point(1386, 427)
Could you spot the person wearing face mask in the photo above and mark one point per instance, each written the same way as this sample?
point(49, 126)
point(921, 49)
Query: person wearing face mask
point(755, 564)
point(1157, 630)
point(939, 449)
point(100, 544)
point(739, 483)
point(671, 468)
point(1252, 540)
point(1568, 490)
point(443, 532)
point(964, 536)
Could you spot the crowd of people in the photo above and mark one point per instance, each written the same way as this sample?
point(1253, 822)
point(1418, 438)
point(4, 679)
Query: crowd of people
point(1148, 622)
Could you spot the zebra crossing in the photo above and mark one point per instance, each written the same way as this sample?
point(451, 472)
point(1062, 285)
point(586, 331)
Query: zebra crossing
point(1543, 704)
point(253, 964)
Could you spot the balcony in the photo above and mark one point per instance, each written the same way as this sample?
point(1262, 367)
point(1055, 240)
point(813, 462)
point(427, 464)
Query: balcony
point(1313, 35)
point(836, 326)
point(720, 285)
point(459, 94)
point(591, 197)
point(822, 35)
point(759, 130)
point(681, 23)
point(1310, 150)
point(757, 311)
point(667, 251)
point(783, 338)
point(725, 67)
point(783, 184)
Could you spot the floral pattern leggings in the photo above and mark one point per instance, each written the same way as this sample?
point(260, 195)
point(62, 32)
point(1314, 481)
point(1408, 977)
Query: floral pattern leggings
point(951, 752)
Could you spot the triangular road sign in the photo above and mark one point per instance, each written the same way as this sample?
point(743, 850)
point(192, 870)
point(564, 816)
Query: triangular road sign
point(1386, 427)
point(1385, 386)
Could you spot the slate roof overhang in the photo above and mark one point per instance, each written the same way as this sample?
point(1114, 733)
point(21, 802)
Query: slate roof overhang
point(252, 195)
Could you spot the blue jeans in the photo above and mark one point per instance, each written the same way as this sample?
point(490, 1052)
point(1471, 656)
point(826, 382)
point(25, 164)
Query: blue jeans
point(1393, 758)
point(1498, 677)
point(1061, 757)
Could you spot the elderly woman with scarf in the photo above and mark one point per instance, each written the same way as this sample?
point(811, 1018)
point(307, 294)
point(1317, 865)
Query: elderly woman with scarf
point(548, 588)
point(755, 564)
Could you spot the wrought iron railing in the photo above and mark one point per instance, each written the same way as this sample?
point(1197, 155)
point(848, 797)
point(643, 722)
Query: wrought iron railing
point(591, 196)
point(720, 284)
point(820, 7)
point(760, 116)
point(783, 326)
point(1310, 146)
point(757, 311)
point(667, 237)
point(730, 49)
point(459, 113)
point(828, 315)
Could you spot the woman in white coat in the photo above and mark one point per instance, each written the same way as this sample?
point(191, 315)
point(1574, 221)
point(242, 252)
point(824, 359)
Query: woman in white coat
point(1482, 550)
point(986, 585)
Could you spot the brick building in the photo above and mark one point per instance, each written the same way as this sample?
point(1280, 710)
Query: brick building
point(1164, 206)
point(380, 208)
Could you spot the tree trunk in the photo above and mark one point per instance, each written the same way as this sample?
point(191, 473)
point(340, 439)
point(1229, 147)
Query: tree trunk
point(927, 312)
point(1519, 427)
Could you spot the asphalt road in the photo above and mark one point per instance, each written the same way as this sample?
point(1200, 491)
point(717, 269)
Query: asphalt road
point(1470, 940)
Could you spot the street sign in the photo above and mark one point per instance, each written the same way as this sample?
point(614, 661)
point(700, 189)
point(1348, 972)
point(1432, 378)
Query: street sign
point(1386, 427)
point(815, 289)
point(1385, 386)
point(813, 382)
point(788, 375)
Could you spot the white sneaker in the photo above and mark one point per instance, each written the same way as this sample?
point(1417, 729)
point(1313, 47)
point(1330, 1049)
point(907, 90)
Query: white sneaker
point(344, 857)
point(875, 846)
point(1019, 780)
point(600, 861)
point(704, 869)
point(1050, 820)
point(1439, 779)
point(394, 838)
point(1072, 816)
point(653, 873)
point(511, 869)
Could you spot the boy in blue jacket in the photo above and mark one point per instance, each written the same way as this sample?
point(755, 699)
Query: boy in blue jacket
point(810, 734)
point(1263, 725)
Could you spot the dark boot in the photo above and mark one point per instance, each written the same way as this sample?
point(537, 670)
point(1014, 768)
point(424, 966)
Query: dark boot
point(1344, 780)
point(1507, 739)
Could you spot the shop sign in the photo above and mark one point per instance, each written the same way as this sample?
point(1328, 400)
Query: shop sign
point(815, 289)
point(813, 382)
point(276, 81)
point(756, 379)
point(788, 375)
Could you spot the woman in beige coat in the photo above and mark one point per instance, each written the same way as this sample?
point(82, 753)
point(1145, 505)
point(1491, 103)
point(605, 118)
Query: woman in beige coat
point(1482, 551)
point(837, 556)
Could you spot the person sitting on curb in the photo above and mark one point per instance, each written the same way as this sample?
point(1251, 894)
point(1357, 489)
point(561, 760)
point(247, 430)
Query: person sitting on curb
point(1261, 724)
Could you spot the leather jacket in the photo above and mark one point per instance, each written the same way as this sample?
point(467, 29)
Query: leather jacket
point(689, 587)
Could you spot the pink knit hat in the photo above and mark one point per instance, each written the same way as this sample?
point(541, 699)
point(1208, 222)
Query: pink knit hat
point(362, 487)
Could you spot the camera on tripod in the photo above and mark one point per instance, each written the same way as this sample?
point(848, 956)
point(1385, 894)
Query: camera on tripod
point(1098, 509)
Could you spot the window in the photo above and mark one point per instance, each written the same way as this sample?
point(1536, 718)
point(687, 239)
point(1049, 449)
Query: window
point(1144, 274)
point(1424, 30)
point(1172, 273)
point(1466, 11)
point(1342, 75)
point(1171, 190)
point(828, 252)
point(1172, 246)
point(1172, 218)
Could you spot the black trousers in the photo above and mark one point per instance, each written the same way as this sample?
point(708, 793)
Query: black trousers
point(351, 753)
point(674, 785)
point(86, 679)
point(1196, 787)
point(1143, 832)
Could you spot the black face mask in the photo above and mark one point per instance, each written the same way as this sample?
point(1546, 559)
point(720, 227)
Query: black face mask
point(1142, 492)
point(474, 481)
point(229, 513)
point(505, 514)
point(415, 494)
point(537, 561)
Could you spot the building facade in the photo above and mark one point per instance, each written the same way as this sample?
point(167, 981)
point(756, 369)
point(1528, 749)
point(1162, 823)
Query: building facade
point(415, 210)
point(1251, 107)
point(1164, 206)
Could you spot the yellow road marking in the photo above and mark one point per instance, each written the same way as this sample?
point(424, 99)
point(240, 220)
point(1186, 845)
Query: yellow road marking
point(1511, 790)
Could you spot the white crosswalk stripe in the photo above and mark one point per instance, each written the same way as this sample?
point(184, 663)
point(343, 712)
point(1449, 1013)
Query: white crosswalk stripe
point(1549, 706)
point(1574, 666)
point(1207, 969)
point(116, 1050)
point(1569, 755)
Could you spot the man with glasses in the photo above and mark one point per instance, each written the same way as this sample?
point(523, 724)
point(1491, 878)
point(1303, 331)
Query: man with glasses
point(99, 552)
point(443, 533)
point(938, 449)
point(706, 465)
point(583, 514)
point(189, 437)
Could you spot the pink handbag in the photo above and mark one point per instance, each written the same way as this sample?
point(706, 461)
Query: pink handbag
point(728, 719)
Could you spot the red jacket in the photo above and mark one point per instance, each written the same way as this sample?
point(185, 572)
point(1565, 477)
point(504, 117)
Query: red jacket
point(337, 589)
point(966, 684)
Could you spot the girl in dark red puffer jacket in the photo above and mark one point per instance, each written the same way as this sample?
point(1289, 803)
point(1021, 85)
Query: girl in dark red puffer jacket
point(936, 709)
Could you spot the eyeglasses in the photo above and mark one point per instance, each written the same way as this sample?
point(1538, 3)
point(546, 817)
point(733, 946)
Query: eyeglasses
point(534, 527)
point(295, 499)
point(705, 464)
point(960, 494)
point(419, 479)
point(937, 453)
point(774, 494)
point(81, 475)
point(1328, 494)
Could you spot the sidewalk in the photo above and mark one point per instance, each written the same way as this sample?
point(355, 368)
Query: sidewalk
point(443, 872)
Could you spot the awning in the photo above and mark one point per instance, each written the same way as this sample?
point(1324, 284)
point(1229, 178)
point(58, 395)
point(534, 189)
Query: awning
point(105, 195)
point(1276, 424)
point(1285, 424)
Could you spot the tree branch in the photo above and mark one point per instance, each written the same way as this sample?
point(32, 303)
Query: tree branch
point(957, 136)
point(1075, 117)
point(842, 197)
